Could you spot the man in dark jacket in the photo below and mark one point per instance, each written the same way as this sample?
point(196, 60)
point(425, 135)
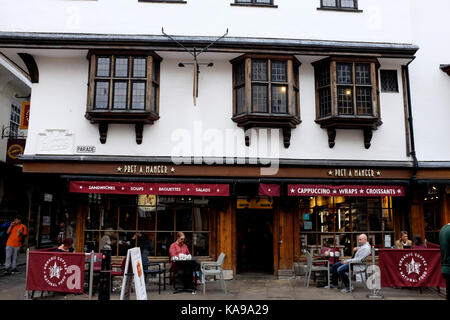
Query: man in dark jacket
point(3, 238)
point(444, 241)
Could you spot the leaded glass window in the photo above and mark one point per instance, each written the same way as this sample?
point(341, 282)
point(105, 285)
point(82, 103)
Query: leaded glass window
point(353, 91)
point(121, 82)
point(389, 82)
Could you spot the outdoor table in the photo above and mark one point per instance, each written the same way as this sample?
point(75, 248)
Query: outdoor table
point(184, 270)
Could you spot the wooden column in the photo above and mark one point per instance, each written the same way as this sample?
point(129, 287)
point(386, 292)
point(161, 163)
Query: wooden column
point(417, 216)
point(226, 233)
point(445, 208)
point(82, 209)
point(285, 238)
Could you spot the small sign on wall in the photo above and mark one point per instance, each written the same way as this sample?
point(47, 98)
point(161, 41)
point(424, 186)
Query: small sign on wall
point(14, 149)
point(25, 116)
point(85, 149)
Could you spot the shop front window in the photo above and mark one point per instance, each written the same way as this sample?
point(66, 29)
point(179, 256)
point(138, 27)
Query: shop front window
point(113, 222)
point(337, 222)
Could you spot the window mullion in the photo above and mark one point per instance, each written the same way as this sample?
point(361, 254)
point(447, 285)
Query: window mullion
point(130, 66)
point(269, 86)
point(111, 82)
point(355, 111)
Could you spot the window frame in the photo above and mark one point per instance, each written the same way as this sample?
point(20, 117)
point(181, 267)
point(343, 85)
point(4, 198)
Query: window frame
point(339, 7)
point(249, 118)
point(103, 207)
point(335, 120)
point(128, 115)
point(254, 3)
point(387, 71)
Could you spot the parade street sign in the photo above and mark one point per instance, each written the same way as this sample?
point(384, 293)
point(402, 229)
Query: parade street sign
point(55, 271)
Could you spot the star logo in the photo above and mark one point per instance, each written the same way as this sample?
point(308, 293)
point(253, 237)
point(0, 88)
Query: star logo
point(55, 271)
point(119, 169)
point(172, 170)
point(378, 173)
point(413, 267)
point(330, 173)
point(292, 190)
point(361, 191)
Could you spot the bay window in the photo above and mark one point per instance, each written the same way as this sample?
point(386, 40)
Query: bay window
point(266, 93)
point(123, 88)
point(347, 96)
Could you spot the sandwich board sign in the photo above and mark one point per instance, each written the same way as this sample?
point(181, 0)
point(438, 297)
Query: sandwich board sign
point(133, 270)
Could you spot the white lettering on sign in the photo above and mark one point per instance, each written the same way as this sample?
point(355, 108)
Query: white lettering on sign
point(137, 188)
point(202, 189)
point(85, 149)
point(313, 190)
point(102, 188)
point(169, 189)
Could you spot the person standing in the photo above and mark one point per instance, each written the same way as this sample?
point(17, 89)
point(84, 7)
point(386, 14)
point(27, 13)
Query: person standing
point(3, 238)
point(17, 231)
point(444, 241)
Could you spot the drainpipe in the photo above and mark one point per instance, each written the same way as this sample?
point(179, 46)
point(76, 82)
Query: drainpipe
point(412, 152)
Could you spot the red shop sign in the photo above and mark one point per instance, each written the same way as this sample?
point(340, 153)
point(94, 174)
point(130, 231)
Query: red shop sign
point(55, 271)
point(270, 190)
point(169, 189)
point(345, 190)
point(411, 268)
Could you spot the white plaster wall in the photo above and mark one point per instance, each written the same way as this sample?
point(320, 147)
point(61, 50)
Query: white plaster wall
point(430, 87)
point(380, 21)
point(59, 102)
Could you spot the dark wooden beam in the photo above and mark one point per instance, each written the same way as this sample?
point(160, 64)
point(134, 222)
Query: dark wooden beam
point(32, 67)
point(446, 68)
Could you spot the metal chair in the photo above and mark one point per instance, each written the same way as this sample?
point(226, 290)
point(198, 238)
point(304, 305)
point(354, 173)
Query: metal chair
point(213, 268)
point(312, 268)
point(155, 268)
point(362, 273)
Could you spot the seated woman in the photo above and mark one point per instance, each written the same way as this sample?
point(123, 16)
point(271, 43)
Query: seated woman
point(66, 246)
point(178, 247)
point(403, 242)
point(418, 244)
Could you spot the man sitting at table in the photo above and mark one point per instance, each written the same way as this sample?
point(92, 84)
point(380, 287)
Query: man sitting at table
point(341, 268)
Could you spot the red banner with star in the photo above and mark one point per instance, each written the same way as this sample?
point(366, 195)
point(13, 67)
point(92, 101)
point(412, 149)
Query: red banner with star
point(164, 189)
point(55, 271)
point(310, 190)
point(410, 268)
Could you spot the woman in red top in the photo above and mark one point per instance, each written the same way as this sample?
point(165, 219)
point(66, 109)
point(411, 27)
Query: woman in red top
point(178, 246)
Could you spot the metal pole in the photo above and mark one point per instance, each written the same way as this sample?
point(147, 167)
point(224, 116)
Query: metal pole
point(91, 274)
point(26, 275)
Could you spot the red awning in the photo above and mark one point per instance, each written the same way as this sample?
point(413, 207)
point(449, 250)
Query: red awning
point(345, 190)
point(270, 190)
point(168, 189)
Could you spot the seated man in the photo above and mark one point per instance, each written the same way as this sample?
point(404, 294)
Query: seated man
point(341, 268)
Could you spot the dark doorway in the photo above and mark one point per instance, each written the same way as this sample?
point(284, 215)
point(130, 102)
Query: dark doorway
point(254, 241)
